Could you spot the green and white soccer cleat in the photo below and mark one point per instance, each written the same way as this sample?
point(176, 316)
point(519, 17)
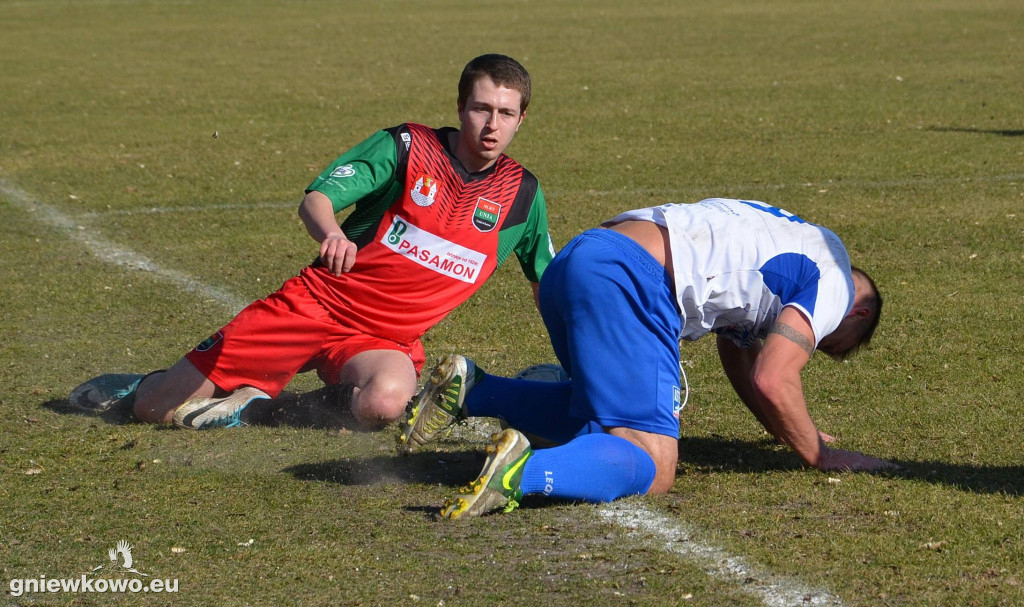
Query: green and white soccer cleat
point(438, 406)
point(498, 483)
point(107, 392)
point(201, 413)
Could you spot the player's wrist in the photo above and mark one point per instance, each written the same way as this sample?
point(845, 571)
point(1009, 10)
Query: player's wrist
point(825, 454)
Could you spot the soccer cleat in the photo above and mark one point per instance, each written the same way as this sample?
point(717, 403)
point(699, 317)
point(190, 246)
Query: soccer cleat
point(106, 392)
point(438, 405)
point(498, 483)
point(200, 413)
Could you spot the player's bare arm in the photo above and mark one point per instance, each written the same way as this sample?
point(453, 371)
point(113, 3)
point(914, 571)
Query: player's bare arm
point(777, 382)
point(790, 333)
point(738, 364)
point(337, 252)
point(778, 386)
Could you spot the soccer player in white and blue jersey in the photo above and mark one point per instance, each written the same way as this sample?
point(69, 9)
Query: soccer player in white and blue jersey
point(616, 301)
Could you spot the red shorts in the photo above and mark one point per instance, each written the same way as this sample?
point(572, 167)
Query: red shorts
point(287, 332)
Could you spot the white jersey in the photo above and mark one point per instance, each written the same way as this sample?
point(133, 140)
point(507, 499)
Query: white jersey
point(738, 263)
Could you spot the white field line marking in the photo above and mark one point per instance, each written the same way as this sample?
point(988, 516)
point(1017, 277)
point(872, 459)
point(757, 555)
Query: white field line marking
point(114, 253)
point(676, 537)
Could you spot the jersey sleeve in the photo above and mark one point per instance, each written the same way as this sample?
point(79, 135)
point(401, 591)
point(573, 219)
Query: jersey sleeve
point(536, 249)
point(834, 301)
point(363, 172)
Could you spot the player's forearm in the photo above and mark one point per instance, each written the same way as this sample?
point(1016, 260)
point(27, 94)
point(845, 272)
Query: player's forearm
point(738, 364)
point(783, 403)
point(317, 214)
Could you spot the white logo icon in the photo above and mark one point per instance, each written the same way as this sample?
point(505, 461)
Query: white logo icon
point(125, 550)
point(344, 171)
point(121, 557)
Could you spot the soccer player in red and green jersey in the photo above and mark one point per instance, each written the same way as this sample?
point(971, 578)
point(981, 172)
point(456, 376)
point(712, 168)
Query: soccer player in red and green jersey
point(436, 211)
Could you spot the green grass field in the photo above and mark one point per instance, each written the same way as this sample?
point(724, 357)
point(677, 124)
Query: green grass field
point(896, 124)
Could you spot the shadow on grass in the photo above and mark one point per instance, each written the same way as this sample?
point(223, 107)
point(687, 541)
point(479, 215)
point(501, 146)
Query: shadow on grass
point(1008, 480)
point(716, 454)
point(116, 417)
point(325, 408)
point(958, 129)
point(451, 468)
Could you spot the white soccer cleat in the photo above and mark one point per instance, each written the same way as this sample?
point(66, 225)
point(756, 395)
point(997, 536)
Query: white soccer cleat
point(200, 413)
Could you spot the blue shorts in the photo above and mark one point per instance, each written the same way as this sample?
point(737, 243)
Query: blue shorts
point(615, 328)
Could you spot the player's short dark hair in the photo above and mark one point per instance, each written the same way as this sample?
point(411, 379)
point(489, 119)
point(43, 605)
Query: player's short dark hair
point(874, 302)
point(503, 70)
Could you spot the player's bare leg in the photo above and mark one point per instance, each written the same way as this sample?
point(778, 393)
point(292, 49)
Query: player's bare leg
point(663, 449)
point(383, 382)
point(160, 394)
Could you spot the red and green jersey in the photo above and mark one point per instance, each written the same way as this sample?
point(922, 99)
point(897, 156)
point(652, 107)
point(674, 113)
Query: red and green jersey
point(429, 232)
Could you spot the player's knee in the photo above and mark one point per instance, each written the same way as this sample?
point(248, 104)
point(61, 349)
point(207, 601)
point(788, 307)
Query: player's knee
point(665, 464)
point(663, 453)
point(662, 483)
point(380, 403)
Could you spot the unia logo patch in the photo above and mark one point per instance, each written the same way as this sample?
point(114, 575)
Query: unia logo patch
point(486, 214)
point(424, 190)
point(433, 252)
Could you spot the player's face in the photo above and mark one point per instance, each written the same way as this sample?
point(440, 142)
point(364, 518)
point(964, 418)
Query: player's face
point(489, 120)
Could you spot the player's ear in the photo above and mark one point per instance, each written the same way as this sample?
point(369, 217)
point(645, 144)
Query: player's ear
point(860, 312)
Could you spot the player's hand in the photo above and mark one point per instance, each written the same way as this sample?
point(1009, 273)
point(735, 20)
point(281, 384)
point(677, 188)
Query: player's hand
point(337, 253)
point(840, 459)
point(826, 438)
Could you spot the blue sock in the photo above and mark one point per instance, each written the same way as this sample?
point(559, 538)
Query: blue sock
point(590, 468)
point(534, 407)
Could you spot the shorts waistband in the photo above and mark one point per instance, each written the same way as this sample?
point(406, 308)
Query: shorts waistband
point(627, 245)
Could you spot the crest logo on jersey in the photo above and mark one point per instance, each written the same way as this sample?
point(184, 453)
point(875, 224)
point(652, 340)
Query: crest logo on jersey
point(407, 140)
point(486, 214)
point(424, 190)
point(344, 171)
point(433, 252)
